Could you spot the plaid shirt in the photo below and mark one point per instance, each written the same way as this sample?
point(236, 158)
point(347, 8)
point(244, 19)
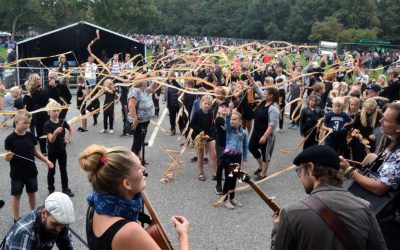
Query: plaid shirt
point(25, 234)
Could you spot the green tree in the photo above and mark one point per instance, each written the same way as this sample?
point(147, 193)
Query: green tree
point(354, 34)
point(388, 14)
point(360, 14)
point(19, 15)
point(329, 30)
point(125, 15)
point(303, 14)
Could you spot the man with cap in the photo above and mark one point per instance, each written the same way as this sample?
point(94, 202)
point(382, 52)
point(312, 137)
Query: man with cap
point(374, 90)
point(298, 227)
point(44, 226)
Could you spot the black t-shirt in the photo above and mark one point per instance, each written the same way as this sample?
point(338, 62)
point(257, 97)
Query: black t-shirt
point(392, 92)
point(220, 132)
point(39, 98)
point(124, 95)
point(23, 145)
point(49, 127)
point(62, 67)
point(79, 94)
point(109, 96)
point(53, 93)
point(19, 103)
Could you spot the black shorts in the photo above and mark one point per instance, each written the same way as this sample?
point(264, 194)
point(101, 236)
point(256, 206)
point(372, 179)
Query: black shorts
point(17, 186)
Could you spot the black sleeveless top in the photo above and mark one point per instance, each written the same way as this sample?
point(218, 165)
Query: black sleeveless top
point(104, 242)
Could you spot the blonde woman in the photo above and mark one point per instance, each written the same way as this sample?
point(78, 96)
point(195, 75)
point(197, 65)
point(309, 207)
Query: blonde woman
point(117, 178)
point(365, 123)
point(37, 98)
point(204, 133)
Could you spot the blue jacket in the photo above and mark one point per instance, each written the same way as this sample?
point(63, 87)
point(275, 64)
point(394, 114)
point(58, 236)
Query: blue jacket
point(236, 140)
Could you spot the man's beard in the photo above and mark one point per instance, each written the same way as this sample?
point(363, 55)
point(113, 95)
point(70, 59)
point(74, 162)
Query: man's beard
point(46, 234)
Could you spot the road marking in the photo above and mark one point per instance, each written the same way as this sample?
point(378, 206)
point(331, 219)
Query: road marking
point(155, 131)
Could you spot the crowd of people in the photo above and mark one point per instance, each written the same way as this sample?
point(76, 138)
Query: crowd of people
point(226, 108)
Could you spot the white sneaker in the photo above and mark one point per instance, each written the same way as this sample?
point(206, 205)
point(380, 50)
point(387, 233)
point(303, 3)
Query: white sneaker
point(111, 131)
point(229, 205)
point(102, 131)
point(236, 203)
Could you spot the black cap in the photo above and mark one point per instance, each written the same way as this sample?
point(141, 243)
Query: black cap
point(224, 103)
point(321, 155)
point(374, 87)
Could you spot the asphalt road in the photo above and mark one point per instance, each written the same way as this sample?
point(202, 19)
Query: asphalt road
point(248, 227)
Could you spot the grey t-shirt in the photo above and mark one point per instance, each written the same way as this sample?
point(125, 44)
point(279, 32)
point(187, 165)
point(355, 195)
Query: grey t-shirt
point(144, 108)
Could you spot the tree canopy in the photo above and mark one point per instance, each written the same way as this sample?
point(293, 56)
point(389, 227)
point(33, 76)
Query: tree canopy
point(291, 20)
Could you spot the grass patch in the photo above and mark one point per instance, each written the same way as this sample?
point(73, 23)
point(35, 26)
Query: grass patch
point(3, 52)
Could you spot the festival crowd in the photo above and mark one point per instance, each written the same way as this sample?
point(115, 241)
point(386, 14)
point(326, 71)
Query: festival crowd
point(231, 105)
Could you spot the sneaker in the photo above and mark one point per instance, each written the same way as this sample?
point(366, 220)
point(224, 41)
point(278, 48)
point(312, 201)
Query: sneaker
point(194, 159)
point(296, 126)
point(278, 130)
point(80, 129)
point(205, 161)
point(111, 131)
point(290, 126)
point(258, 171)
point(259, 177)
point(102, 131)
point(236, 203)
point(229, 205)
point(218, 190)
point(68, 192)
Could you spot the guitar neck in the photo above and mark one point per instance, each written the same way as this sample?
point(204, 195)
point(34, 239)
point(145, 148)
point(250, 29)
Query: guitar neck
point(263, 196)
point(166, 242)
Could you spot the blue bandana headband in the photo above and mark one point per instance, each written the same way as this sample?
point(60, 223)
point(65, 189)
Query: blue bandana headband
point(115, 206)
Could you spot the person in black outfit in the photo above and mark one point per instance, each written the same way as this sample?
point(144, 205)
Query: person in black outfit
point(156, 101)
point(111, 97)
point(202, 122)
point(171, 99)
point(59, 92)
point(63, 65)
point(23, 172)
point(220, 142)
point(188, 100)
point(39, 99)
point(65, 96)
point(392, 91)
point(282, 103)
point(124, 107)
point(94, 105)
point(80, 101)
point(309, 117)
point(56, 141)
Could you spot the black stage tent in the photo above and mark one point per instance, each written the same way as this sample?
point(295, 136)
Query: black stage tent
point(75, 38)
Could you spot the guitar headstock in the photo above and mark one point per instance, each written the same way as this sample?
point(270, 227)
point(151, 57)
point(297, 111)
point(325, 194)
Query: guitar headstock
point(235, 171)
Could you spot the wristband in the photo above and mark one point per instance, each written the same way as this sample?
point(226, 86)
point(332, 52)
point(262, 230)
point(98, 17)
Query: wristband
point(347, 171)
